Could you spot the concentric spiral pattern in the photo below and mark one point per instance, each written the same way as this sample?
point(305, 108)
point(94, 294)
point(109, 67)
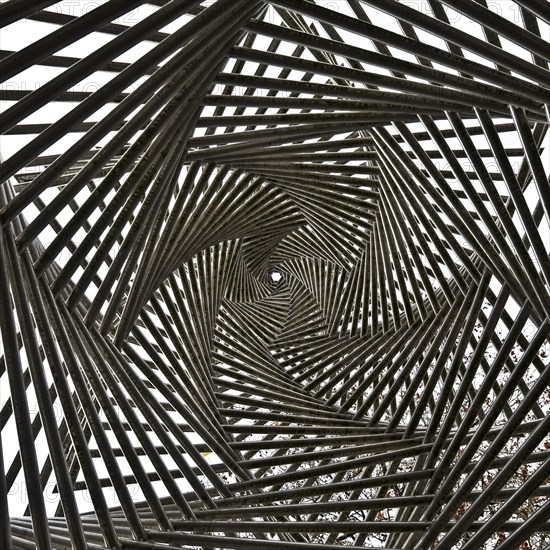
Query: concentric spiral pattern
point(275, 274)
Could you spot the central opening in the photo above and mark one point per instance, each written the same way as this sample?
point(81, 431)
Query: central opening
point(276, 276)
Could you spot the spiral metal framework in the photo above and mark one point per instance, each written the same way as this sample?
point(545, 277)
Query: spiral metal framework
point(275, 274)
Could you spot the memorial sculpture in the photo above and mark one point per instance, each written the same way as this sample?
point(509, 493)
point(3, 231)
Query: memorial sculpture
point(275, 274)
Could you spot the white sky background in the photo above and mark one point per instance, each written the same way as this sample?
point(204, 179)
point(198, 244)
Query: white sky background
point(21, 34)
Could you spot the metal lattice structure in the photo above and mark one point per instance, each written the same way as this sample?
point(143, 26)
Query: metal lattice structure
point(275, 274)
